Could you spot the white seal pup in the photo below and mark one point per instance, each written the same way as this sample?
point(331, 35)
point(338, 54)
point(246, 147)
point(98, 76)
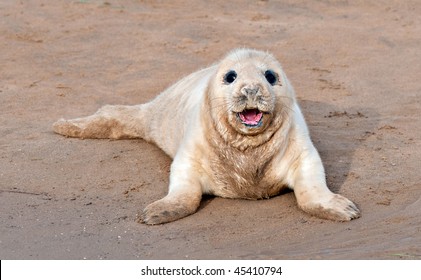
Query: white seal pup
point(234, 130)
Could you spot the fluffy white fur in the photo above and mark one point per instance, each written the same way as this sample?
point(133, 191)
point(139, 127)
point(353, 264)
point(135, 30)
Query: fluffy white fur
point(197, 122)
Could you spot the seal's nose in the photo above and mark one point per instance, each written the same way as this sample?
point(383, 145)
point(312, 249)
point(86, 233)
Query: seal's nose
point(250, 90)
point(252, 94)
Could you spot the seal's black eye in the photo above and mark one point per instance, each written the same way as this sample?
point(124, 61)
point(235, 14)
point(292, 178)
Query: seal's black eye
point(271, 77)
point(230, 77)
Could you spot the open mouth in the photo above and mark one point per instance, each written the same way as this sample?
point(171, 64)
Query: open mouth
point(251, 117)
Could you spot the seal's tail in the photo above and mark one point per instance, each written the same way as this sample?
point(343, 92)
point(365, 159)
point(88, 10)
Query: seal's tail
point(113, 122)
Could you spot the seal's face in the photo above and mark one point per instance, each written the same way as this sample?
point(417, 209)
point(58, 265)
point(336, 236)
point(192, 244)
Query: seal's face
point(251, 92)
point(252, 97)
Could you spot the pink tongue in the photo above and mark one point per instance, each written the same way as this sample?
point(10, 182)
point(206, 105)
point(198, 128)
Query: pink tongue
point(251, 117)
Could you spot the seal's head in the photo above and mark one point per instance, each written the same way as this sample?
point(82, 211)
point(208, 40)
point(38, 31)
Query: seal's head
point(250, 94)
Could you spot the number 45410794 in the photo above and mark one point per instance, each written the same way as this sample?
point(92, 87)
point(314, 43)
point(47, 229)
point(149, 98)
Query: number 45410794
point(266, 270)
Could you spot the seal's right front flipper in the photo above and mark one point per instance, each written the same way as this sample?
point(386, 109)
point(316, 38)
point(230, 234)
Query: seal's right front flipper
point(185, 191)
point(170, 208)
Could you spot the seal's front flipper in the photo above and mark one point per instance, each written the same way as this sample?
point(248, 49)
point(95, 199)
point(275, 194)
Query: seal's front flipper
point(170, 208)
point(184, 195)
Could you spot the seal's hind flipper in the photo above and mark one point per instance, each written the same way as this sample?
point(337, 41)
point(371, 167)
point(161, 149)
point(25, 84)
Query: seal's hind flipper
point(113, 122)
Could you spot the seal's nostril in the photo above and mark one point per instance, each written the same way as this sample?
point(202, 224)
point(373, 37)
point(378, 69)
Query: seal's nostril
point(250, 90)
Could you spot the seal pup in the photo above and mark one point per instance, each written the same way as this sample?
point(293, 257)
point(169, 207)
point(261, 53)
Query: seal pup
point(234, 130)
